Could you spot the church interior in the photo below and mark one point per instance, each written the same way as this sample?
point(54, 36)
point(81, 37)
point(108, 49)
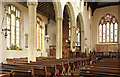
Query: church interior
point(59, 38)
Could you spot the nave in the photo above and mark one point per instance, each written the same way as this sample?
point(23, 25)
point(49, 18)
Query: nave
point(59, 38)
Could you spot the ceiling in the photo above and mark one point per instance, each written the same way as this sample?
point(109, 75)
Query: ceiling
point(96, 5)
point(47, 8)
point(44, 8)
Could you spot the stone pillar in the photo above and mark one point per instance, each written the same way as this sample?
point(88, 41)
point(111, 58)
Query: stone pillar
point(59, 38)
point(118, 28)
point(1, 36)
point(82, 42)
point(32, 47)
point(73, 40)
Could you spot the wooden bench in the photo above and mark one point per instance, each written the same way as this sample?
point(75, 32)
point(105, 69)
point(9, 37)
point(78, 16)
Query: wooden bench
point(46, 66)
point(106, 67)
point(17, 60)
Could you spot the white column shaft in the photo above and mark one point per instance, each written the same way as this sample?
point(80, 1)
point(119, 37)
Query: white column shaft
point(119, 28)
point(73, 37)
point(82, 42)
point(59, 38)
point(32, 31)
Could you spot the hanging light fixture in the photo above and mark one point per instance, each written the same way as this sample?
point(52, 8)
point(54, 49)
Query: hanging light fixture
point(47, 37)
point(4, 30)
point(86, 42)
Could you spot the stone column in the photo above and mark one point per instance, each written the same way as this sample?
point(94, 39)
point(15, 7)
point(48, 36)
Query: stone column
point(82, 42)
point(1, 36)
point(59, 38)
point(32, 47)
point(73, 40)
point(119, 28)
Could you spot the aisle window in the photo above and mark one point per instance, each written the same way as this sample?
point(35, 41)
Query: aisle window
point(39, 33)
point(13, 23)
point(108, 29)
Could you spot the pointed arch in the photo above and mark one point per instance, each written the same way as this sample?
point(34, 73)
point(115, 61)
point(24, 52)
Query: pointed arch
point(71, 13)
point(57, 9)
point(82, 32)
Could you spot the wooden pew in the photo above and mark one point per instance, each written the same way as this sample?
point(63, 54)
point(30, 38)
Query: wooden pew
point(50, 66)
point(64, 65)
point(4, 74)
point(17, 60)
point(16, 69)
point(106, 67)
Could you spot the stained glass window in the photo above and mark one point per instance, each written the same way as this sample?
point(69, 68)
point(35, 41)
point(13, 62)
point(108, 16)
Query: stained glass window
point(111, 32)
point(108, 29)
point(104, 27)
point(108, 32)
point(115, 32)
point(39, 33)
point(13, 23)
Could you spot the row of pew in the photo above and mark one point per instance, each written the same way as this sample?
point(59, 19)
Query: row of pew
point(43, 67)
point(107, 67)
point(104, 54)
point(25, 60)
point(49, 67)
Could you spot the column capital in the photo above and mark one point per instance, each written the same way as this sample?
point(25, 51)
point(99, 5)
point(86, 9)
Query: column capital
point(82, 31)
point(58, 18)
point(74, 27)
point(32, 3)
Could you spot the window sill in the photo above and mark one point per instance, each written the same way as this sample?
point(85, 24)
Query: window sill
point(39, 51)
point(107, 43)
point(14, 50)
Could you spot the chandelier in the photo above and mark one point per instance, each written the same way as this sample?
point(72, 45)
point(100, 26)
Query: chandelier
point(4, 30)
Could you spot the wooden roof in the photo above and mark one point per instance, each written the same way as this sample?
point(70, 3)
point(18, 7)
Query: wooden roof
point(44, 8)
point(47, 8)
point(96, 5)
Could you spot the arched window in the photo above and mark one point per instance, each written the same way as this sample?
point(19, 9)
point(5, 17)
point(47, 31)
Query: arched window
point(13, 23)
point(39, 33)
point(108, 29)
